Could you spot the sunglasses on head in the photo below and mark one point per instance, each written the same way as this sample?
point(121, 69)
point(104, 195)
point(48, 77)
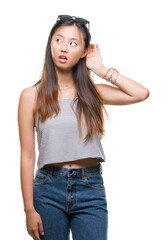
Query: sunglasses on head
point(81, 21)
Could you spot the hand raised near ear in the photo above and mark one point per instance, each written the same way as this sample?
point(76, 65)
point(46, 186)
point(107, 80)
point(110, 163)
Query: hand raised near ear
point(93, 57)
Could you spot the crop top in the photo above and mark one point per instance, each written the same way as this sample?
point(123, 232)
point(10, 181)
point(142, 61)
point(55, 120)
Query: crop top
point(59, 141)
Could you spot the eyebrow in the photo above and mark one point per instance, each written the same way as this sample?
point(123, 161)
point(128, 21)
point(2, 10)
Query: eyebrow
point(70, 38)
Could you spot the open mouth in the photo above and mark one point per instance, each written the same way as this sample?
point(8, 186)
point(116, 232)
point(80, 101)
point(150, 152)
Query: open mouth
point(62, 59)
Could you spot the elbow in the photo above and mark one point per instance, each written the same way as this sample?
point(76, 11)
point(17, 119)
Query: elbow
point(145, 95)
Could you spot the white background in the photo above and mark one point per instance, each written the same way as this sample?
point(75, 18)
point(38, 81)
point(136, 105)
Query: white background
point(132, 38)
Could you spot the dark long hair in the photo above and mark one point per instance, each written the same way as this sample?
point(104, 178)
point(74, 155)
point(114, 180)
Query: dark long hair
point(89, 102)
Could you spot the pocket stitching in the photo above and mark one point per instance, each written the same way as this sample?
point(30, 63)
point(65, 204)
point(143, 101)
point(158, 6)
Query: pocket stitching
point(41, 177)
point(87, 183)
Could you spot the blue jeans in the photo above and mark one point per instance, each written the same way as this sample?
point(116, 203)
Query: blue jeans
point(71, 198)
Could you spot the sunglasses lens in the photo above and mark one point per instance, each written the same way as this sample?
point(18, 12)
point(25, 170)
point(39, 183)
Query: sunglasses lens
point(82, 20)
point(64, 17)
point(68, 17)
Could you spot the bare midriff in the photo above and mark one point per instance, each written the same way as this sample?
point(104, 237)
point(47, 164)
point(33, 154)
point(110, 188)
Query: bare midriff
point(79, 163)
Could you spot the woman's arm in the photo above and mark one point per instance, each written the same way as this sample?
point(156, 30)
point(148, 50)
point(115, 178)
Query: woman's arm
point(127, 91)
point(27, 144)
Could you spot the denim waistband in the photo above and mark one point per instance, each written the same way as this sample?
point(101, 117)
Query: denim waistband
point(54, 170)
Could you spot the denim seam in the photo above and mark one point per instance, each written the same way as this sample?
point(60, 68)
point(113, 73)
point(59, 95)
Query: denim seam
point(40, 176)
point(97, 188)
point(87, 183)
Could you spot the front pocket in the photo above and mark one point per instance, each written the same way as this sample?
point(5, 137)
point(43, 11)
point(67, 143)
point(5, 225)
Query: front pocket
point(94, 181)
point(40, 178)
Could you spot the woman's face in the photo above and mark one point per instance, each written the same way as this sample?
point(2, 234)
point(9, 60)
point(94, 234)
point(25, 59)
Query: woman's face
point(67, 41)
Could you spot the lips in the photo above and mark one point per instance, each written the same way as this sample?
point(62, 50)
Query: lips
point(63, 57)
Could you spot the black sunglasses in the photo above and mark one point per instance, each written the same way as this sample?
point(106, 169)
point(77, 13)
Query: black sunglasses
point(81, 21)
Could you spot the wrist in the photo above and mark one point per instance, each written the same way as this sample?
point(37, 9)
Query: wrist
point(100, 71)
point(111, 75)
point(28, 210)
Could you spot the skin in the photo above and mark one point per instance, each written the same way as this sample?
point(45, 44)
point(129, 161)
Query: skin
point(62, 44)
point(126, 91)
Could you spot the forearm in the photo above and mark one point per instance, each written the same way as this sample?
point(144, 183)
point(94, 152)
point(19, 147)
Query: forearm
point(27, 176)
point(129, 86)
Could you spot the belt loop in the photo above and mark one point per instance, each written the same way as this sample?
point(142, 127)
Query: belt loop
point(51, 170)
point(82, 172)
point(101, 170)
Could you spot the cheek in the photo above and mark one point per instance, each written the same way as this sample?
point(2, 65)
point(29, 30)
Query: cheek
point(52, 52)
point(76, 57)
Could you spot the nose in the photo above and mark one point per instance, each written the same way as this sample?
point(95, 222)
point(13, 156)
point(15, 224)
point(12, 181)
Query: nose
point(64, 47)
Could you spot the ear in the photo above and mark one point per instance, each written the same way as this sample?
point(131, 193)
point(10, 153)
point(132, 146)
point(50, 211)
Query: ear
point(85, 53)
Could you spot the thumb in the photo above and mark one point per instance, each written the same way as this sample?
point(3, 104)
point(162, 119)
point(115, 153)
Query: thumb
point(41, 228)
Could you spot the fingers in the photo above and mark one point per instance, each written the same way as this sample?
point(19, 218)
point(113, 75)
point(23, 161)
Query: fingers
point(36, 235)
point(97, 47)
point(34, 225)
point(41, 229)
point(34, 232)
point(93, 47)
point(90, 48)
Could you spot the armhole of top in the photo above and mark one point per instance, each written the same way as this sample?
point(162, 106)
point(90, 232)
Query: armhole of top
point(36, 123)
point(37, 86)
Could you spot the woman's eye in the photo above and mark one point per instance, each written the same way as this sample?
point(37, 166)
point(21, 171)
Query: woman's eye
point(60, 39)
point(57, 39)
point(74, 42)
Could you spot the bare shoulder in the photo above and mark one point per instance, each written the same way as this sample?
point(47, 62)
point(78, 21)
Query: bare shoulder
point(27, 101)
point(28, 95)
point(29, 92)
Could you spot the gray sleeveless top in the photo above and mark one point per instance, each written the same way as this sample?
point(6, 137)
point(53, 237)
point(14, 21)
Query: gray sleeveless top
point(58, 138)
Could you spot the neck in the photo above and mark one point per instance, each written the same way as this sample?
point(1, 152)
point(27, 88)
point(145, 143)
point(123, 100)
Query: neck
point(65, 77)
